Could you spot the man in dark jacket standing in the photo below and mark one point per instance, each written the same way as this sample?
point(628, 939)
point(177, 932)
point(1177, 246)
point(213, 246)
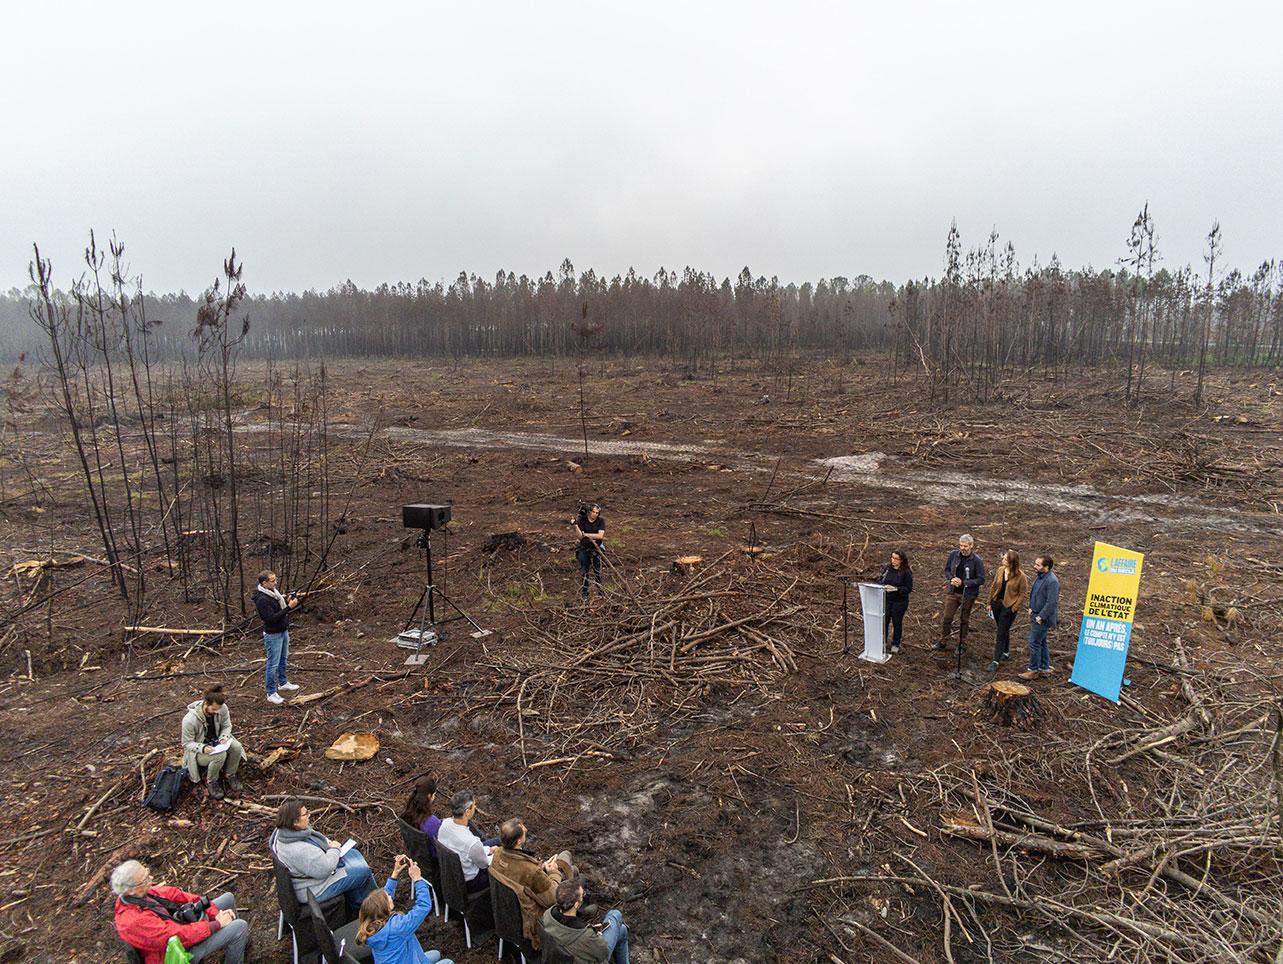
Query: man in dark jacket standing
point(274, 609)
point(1044, 615)
point(965, 574)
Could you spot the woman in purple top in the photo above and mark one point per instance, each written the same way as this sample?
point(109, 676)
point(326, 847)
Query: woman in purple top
point(418, 810)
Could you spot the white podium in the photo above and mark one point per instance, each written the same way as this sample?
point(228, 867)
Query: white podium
point(873, 603)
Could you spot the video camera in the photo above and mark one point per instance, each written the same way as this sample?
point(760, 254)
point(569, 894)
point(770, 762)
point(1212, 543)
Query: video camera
point(192, 911)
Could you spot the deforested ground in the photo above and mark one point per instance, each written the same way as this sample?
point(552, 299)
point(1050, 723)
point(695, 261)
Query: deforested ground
point(724, 774)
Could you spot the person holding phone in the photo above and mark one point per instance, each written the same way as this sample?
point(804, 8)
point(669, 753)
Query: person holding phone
point(389, 935)
point(585, 943)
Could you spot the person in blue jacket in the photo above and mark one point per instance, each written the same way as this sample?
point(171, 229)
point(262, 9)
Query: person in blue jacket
point(1044, 615)
point(390, 936)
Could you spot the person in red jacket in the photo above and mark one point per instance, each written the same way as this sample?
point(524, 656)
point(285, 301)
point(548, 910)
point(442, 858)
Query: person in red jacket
point(147, 916)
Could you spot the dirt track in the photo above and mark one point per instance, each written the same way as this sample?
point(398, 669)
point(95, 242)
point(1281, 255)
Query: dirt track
point(708, 824)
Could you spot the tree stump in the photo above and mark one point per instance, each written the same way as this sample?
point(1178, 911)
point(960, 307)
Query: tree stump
point(1011, 704)
point(685, 565)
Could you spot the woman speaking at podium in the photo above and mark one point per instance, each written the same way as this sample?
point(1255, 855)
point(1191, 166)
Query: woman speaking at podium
point(897, 580)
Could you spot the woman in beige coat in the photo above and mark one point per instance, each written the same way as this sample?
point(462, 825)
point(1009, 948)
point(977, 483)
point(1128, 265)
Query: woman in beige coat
point(1007, 594)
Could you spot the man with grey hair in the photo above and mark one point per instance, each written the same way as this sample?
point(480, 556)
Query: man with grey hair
point(474, 853)
point(965, 574)
point(147, 916)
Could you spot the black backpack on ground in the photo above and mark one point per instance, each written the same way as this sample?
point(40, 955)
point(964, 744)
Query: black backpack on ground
point(167, 788)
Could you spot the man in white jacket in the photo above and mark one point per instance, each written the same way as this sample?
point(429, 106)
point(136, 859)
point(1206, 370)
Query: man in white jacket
point(474, 853)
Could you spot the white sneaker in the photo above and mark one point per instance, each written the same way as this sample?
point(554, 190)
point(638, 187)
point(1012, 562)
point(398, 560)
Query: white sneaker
point(288, 686)
point(275, 698)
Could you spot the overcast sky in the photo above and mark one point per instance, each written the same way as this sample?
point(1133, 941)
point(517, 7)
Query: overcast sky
point(395, 141)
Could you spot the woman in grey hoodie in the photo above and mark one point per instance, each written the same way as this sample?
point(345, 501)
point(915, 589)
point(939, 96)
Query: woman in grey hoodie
point(314, 861)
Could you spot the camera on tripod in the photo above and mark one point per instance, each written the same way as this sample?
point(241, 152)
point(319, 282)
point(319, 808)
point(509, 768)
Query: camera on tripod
point(426, 517)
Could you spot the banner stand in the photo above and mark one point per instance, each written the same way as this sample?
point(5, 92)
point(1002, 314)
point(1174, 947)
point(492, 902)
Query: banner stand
point(1104, 636)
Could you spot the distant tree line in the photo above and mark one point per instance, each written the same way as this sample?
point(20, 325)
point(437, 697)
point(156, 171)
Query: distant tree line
point(986, 316)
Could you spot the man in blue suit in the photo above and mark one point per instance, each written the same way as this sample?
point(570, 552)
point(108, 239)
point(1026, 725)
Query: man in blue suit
point(1044, 614)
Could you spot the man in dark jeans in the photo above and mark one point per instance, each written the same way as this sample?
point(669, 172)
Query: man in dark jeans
point(591, 529)
point(965, 574)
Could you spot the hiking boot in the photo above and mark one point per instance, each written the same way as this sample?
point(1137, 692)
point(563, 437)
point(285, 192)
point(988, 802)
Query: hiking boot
point(234, 784)
point(1005, 656)
point(1029, 674)
point(215, 791)
point(895, 648)
point(1045, 672)
point(993, 666)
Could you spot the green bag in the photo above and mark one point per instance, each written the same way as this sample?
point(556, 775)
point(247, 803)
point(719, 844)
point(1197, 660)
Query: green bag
point(175, 953)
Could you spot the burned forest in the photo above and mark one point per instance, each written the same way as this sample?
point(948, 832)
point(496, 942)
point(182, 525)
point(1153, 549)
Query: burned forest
point(693, 721)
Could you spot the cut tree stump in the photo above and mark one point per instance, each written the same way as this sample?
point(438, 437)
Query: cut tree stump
point(1011, 703)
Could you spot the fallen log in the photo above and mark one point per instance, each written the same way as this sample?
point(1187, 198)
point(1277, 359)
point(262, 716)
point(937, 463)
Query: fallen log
point(168, 631)
point(332, 691)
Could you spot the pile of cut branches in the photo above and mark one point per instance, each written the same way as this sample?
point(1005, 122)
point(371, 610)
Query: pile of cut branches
point(1176, 856)
point(656, 644)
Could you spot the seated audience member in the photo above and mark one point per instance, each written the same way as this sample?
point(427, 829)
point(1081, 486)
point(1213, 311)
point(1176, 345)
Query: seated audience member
point(584, 942)
point(535, 883)
point(147, 916)
point(474, 853)
point(208, 743)
point(314, 861)
point(418, 810)
point(390, 936)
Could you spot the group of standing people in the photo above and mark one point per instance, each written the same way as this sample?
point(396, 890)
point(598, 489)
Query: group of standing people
point(1009, 592)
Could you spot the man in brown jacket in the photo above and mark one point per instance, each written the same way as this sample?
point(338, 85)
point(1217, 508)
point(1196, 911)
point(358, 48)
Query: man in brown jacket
point(534, 883)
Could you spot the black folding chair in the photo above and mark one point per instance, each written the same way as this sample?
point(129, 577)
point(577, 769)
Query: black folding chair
point(336, 946)
point(293, 914)
point(508, 925)
point(474, 908)
point(419, 848)
point(553, 953)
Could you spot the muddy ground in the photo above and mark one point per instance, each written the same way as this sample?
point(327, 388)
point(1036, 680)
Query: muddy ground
point(710, 825)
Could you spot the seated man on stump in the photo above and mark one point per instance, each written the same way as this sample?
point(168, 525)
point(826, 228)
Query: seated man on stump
point(208, 743)
point(147, 916)
point(534, 883)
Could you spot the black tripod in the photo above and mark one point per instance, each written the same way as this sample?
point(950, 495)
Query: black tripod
point(962, 648)
point(429, 633)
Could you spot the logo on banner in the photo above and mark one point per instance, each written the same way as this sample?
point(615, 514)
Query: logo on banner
point(1123, 567)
